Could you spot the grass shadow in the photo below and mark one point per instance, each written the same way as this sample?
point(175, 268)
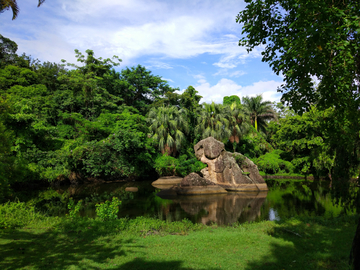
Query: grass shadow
point(61, 248)
point(141, 264)
point(310, 244)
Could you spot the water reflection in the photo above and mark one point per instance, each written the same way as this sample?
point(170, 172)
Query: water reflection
point(285, 199)
point(223, 209)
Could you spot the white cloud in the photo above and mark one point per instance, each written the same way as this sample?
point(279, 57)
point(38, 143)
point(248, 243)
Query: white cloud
point(237, 73)
point(152, 32)
point(134, 28)
point(216, 93)
point(225, 65)
point(158, 65)
point(226, 73)
point(268, 89)
point(168, 80)
point(47, 47)
point(226, 87)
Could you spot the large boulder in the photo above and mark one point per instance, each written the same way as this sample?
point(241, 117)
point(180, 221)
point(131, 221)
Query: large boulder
point(194, 184)
point(232, 171)
point(193, 179)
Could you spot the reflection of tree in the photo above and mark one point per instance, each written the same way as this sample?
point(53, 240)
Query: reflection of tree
point(291, 199)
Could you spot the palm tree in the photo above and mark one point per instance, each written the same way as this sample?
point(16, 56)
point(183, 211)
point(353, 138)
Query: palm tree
point(238, 122)
point(167, 127)
point(6, 4)
point(213, 121)
point(259, 111)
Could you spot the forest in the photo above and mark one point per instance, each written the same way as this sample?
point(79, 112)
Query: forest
point(77, 122)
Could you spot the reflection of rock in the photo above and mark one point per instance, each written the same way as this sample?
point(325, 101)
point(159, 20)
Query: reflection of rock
point(167, 194)
point(195, 184)
point(223, 167)
point(75, 178)
point(224, 209)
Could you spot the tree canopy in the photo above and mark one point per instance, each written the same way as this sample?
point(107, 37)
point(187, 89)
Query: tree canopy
point(306, 39)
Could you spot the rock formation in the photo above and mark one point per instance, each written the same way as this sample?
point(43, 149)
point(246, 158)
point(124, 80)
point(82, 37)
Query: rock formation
point(232, 171)
point(195, 184)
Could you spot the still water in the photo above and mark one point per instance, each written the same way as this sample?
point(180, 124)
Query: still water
point(285, 198)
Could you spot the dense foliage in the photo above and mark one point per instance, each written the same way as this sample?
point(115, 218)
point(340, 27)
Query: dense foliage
point(272, 163)
point(84, 121)
point(166, 165)
point(306, 39)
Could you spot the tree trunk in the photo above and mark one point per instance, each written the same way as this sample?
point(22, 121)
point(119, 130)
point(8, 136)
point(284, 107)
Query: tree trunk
point(256, 123)
point(355, 250)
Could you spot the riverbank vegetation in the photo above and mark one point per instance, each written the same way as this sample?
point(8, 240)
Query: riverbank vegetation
point(146, 243)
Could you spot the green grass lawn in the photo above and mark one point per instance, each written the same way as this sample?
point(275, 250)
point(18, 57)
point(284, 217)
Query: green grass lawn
point(60, 243)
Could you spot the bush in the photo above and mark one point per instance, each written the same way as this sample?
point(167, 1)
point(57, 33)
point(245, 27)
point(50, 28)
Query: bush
point(186, 166)
point(252, 145)
point(17, 214)
point(271, 163)
point(74, 209)
point(108, 210)
point(167, 165)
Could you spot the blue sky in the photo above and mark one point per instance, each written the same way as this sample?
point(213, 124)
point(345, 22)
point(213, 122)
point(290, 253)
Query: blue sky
point(186, 42)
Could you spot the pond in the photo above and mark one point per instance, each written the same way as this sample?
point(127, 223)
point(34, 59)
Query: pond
point(285, 199)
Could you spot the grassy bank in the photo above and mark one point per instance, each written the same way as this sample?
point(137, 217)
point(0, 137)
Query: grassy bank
point(79, 243)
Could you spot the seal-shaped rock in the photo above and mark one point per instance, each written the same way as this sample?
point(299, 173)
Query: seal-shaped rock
point(232, 171)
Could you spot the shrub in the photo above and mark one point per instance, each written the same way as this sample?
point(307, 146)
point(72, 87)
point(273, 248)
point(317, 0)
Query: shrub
point(108, 210)
point(271, 163)
point(74, 209)
point(167, 165)
point(186, 166)
point(17, 214)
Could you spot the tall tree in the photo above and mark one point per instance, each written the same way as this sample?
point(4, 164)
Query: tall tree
point(140, 88)
point(237, 122)
point(189, 101)
point(83, 89)
point(167, 127)
point(259, 111)
point(228, 100)
point(315, 38)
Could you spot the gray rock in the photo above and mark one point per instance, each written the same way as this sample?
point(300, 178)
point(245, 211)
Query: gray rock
point(232, 171)
point(194, 184)
point(210, 147)
point(193, 179)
